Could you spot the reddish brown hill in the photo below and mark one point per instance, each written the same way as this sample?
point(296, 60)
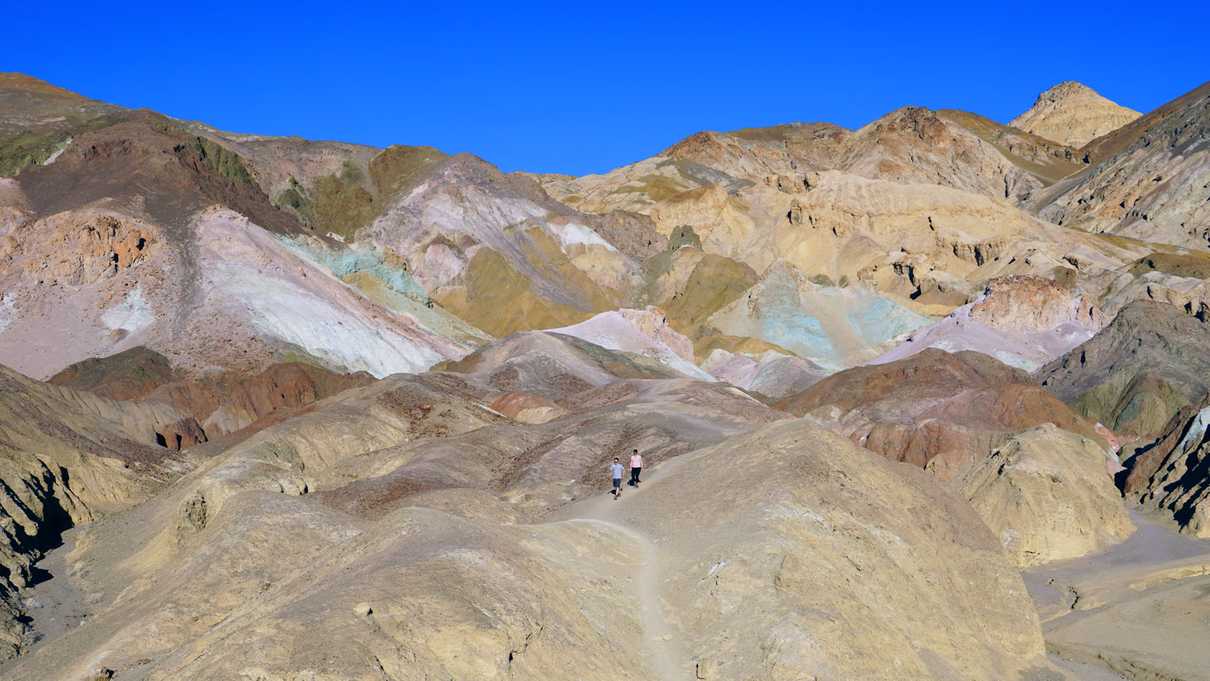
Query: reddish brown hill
point(935, 409)
point(222, 403)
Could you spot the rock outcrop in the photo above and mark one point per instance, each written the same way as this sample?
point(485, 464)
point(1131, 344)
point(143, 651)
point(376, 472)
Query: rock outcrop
point(1048, 495)
point(1023, 321)
point(1172, 473)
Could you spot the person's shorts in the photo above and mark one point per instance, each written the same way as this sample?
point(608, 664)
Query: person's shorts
point(617, 483)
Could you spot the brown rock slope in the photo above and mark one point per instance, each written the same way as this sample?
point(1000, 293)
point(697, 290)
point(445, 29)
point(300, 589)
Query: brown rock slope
point(1074, 114)
point(1138, 371)
point(936, 410)
point(1046, 160)
point(68, 457)
point(128, 375)
point(1048, 495)
point(40, 120)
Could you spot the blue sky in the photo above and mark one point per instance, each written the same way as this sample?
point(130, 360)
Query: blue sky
point(585, 87)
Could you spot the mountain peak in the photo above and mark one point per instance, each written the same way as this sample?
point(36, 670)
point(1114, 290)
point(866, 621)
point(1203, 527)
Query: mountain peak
point(1074, 114)
point(1067, 88)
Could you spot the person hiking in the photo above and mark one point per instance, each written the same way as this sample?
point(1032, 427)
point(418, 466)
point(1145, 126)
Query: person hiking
point(636, 467)
point(615, 472)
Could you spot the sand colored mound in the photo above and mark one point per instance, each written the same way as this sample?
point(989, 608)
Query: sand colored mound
point(1048, 496)
point(785, 554)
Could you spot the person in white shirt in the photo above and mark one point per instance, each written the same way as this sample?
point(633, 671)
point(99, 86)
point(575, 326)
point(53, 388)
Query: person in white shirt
point(636, 467)
point(615, 472)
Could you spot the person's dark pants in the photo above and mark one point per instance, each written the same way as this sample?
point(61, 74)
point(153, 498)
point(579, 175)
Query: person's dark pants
point(617, 485)
point(634, 476)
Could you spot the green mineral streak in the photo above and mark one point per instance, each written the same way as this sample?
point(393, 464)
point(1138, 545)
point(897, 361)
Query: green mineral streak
point(345, 262)
point(225, 163)
point(26, 148)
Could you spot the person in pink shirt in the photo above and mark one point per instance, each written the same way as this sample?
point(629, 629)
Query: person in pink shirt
point(636, 467)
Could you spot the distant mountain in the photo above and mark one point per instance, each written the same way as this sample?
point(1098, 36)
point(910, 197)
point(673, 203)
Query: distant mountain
point(1074, 114)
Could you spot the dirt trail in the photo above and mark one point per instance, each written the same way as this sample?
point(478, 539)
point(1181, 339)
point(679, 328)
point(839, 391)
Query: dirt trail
point(661, 649)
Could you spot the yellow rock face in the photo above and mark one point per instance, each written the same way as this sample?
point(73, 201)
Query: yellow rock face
point(1048, 495)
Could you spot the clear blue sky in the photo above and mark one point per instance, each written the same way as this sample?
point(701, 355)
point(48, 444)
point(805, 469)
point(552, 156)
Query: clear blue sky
point(582, 87)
